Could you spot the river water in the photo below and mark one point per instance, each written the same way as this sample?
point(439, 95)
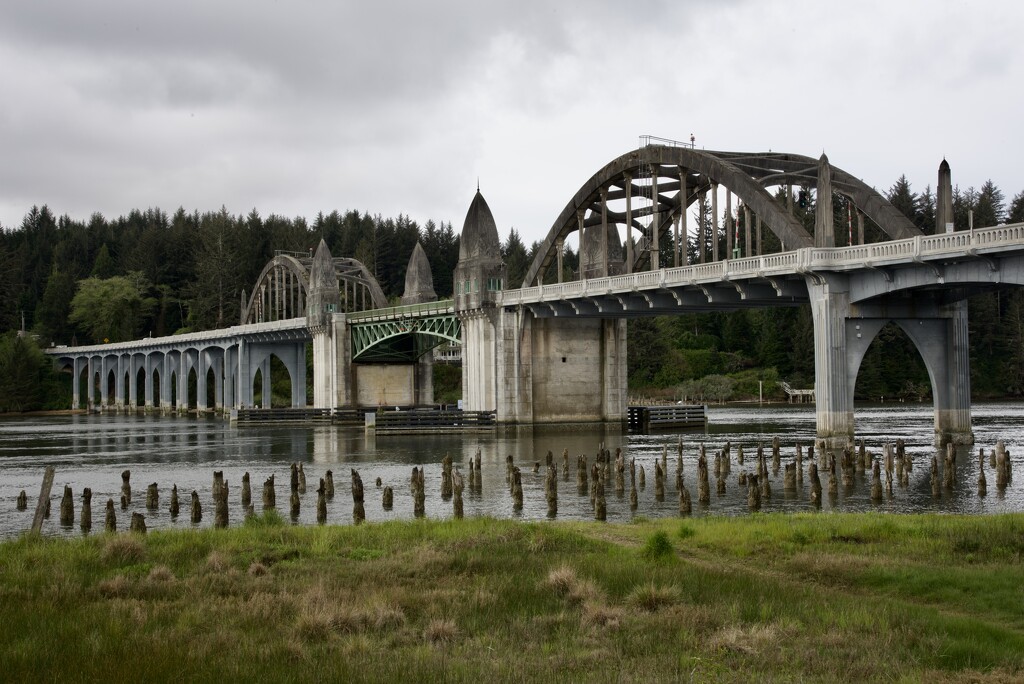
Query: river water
point(92, 451)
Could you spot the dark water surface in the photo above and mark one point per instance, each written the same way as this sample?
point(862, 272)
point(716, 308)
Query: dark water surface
point(91, 451)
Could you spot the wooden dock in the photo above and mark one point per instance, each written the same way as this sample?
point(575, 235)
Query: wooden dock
point(670, 417)
point(426, 421)
point(797, 396)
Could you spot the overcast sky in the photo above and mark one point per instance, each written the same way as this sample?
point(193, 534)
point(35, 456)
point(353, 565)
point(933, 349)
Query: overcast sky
point(399, 107)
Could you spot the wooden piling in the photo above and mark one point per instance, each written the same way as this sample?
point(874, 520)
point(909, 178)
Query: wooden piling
point(321, 502)
point(936, 491)
point(446, 477)
point(876, 482)
point(67, 507)
point(703, 488)
point(329, 484)
point(175, 506)
point(126, 488)
point(457, 487)
point(789, 478)
point(659, 482)
point(812, 475)
point(551, 491)
point(218, 483)
point(220, 506)
point(152, 497)
point(753, 493)
point(565, 464)
point(833, 485)
point(138, 523)
point(269, 495)
point(110, 521)
point(246, 490)
point(799, 467)
point(517, 489)
point(22, 503)
point(418, 494)
point(86, 518)
point(387, 498)
point(196, 509)
point(949, 470)
point(685, 503)
point(358, 509)
point(302, 480)
point(776, 453)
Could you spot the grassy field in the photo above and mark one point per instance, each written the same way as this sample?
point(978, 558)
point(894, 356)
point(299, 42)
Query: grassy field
point(814, 597)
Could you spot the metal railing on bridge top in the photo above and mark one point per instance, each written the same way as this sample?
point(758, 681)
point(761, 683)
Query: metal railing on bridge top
point(893, 252)
point(438, 308)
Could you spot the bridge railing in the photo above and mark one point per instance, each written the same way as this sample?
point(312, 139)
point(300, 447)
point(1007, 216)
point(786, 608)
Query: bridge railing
point(443, 306)
point(782, 263)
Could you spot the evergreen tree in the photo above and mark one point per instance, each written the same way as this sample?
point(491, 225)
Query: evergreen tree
point(517, 261)
point(104, 266)
point(1016, 213)
point(22, 367)
point(901, 197)
point(53, 310)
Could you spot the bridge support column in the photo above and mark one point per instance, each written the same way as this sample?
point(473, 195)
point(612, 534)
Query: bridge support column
point(133, 383)
point(202, 367)
point(76, 380)
point(478, 361)
point(219, 364)
point(165, 384)
point(243, 396)
point(120, 364)
point(104, 383)
point(181, 395)
point(833, 388)
point(942, 343)
point(551, 370)
point(148, 391)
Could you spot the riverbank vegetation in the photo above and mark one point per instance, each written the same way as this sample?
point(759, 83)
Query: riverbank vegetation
point(813, 597)
point(68, 281)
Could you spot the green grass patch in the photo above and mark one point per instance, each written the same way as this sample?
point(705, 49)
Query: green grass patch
point(816, 597)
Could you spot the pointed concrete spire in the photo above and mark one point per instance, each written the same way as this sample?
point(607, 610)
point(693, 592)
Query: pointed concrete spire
point(419, 281)
point(479, 239)
point(824, 228)
point(324, 296)
point(944, 200)
point(322, 273)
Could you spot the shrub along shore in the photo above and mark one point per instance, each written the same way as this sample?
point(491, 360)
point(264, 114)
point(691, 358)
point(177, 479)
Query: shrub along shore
point(814, 597)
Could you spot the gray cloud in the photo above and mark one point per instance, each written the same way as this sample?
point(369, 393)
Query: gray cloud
point(392, 107)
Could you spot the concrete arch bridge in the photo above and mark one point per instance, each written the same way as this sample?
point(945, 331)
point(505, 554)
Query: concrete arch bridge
point(651, 242)
point(217, 370)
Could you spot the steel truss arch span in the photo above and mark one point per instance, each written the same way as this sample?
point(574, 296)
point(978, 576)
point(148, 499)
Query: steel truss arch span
point(747, 175)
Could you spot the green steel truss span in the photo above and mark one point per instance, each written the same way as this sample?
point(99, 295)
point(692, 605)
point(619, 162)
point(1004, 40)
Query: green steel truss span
point(402, 333)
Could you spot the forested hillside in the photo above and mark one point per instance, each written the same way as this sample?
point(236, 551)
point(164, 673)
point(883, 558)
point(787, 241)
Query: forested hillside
point(149, 273)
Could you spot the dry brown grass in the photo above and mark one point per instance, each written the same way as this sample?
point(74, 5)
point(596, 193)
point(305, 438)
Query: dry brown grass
point(217, 562)
point(599, 615)
point(441, 631)
point(118, 586)
point(651, 597)
point(748, 639)
point(161, 573)
point(123, 549)
point(257, 569)
point(572, 587)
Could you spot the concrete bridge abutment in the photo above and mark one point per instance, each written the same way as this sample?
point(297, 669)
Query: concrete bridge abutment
point(843, 332)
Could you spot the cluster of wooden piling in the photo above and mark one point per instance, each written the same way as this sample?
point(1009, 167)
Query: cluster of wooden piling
point(592, 478)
